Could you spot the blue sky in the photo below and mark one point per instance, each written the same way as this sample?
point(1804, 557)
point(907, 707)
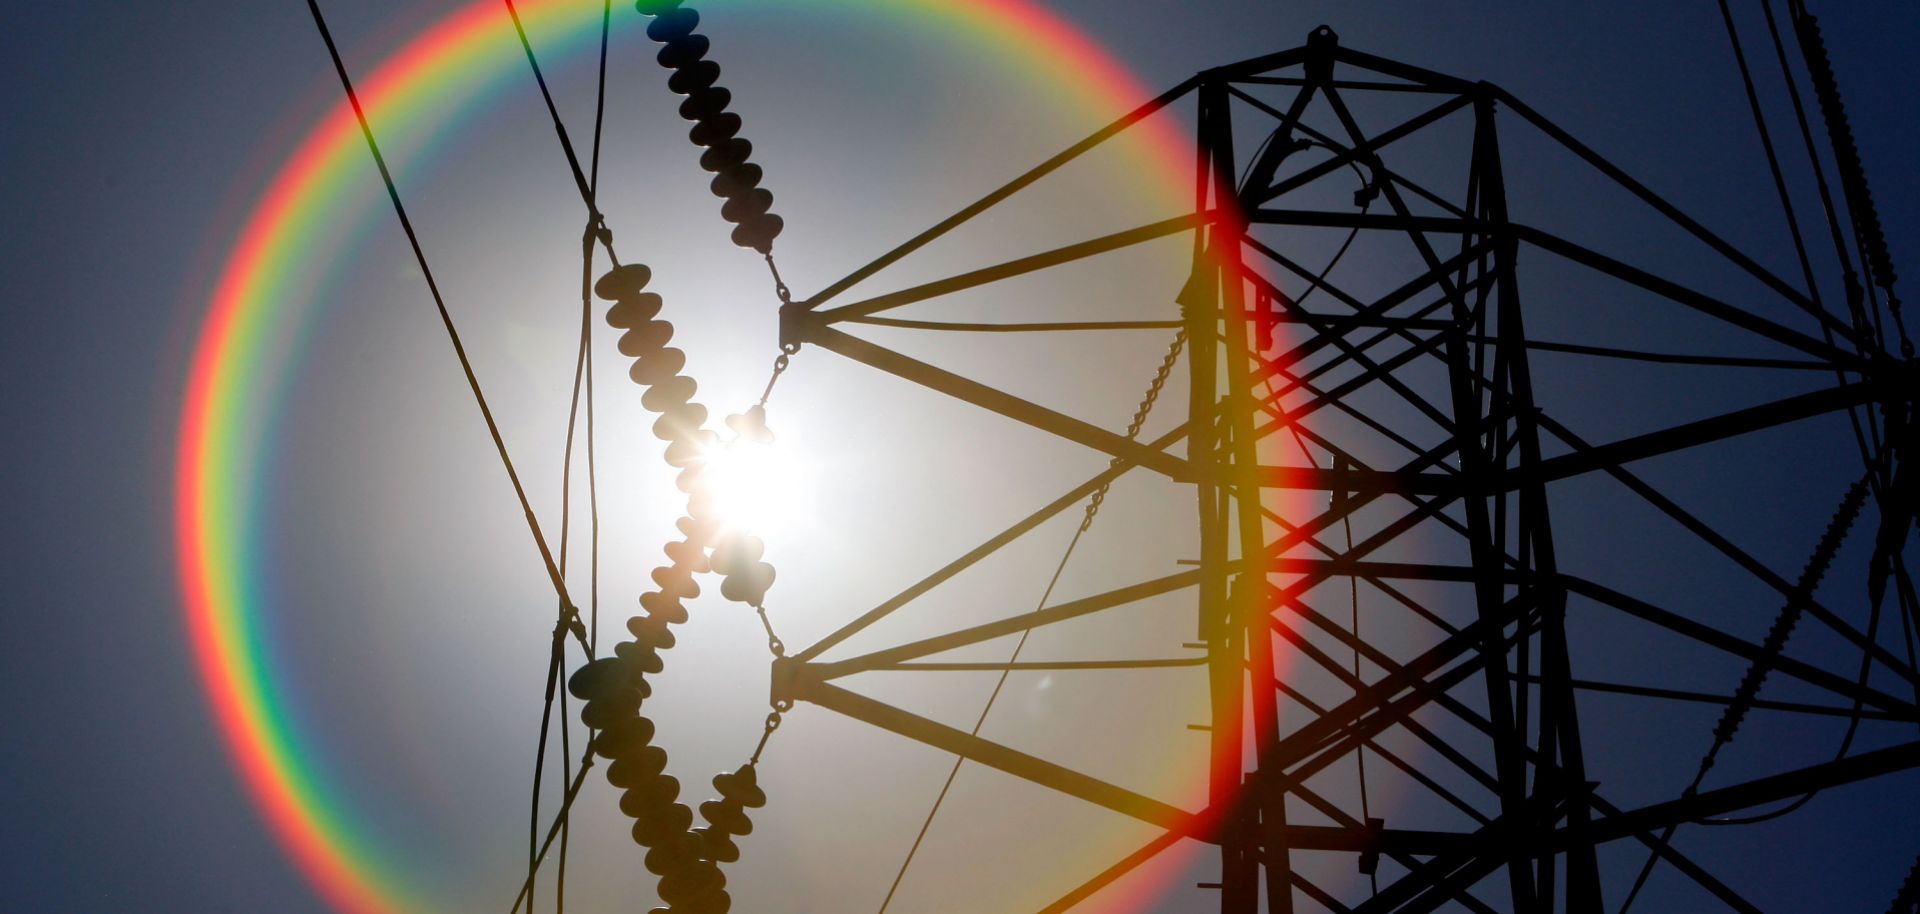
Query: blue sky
point(134, 137)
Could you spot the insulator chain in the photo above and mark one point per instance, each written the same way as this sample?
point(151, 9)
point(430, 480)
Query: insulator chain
point(685, 858)
point(1139, 420)
point(748, 205)
point(1776, 640)
point(1853, 174)
point(1907, 899)
point(1899, 500)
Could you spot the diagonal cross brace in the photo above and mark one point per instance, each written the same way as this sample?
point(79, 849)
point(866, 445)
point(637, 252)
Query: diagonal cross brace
point(993, 755)
point(1178, 822)
point(999, 401)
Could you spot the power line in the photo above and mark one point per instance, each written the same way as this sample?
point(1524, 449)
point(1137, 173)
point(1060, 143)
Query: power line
point(582, 372)
point(553, 112)
point(446, 317)
point(1086, 523)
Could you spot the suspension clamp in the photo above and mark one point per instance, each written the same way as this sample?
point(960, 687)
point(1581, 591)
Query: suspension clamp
point(792, 326)
point(1321, 45)
point(787, 683)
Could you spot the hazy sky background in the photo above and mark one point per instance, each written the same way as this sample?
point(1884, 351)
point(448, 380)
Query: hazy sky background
point(410, 622)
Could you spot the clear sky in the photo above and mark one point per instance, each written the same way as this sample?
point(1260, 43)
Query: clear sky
point(404, 615)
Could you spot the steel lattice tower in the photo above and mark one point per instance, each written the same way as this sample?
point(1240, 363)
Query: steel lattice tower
point(1481, 676)
point(1401, 411)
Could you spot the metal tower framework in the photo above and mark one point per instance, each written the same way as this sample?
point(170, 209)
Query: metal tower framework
point(1483, 680)
point(1414, 409)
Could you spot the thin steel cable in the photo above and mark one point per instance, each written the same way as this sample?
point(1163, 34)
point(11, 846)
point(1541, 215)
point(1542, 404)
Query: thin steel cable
point(566, 826)
point(1869, 237)
point(1360, 758)
point(593, 599)
point(553, 112)
point(1813, 159)
point(1652, 861)
point(1353, 595)
point(1093, 509)
point(585, 187)
point(582, 371)
point(566, 808)
point(1020, 327)
point(593, 488)
point(566, 527)
point(1353, 583)
point(440, 305)
point(556, 658)
point(596, 229)
point(599, 104)
point(1786, 201)
point(977, 724)
point(1359, 749)
point(1773, 157)
point(593, 516)
point(1846, 742)
point(1850, 278)
point(1775, 643)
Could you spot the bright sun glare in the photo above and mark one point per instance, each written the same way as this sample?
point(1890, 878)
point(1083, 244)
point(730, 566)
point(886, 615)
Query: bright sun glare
point(758, 487)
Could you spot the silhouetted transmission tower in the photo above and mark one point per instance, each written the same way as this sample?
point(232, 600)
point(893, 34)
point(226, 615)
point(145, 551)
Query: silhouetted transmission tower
point(1396, 432)
point(1438, 464)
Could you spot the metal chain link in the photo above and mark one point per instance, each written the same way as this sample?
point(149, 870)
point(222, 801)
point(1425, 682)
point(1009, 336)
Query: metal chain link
point(774, 644)
point(780, 363)
point(1139, 419)
point(779, 285)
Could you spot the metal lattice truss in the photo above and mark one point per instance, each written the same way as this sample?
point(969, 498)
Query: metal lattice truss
point(1407, 402)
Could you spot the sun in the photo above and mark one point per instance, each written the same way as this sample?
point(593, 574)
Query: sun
point(757, 484)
